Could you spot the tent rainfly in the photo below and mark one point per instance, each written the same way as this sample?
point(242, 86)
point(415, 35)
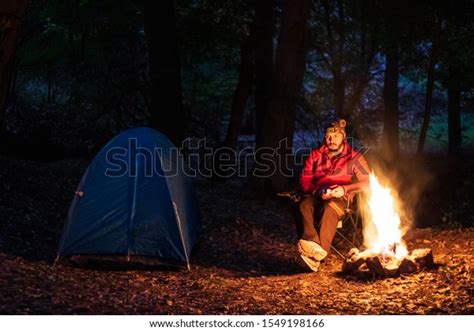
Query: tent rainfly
point(135, 203)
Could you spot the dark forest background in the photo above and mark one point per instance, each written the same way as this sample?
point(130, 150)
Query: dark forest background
point(240, 73)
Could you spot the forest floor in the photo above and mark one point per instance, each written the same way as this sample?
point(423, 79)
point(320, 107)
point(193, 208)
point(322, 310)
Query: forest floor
point(245, 261)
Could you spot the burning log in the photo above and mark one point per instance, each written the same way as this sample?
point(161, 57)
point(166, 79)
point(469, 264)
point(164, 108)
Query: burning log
point(353, 261)
point(423, 258)
point(375, 266)
point(392, 269)
point(407, 266)
point(379, 265)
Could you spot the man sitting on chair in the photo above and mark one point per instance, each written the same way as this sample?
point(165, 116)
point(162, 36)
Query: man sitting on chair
point(331, 173)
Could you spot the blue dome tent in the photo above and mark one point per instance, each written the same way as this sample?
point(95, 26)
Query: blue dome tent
point(134, 204)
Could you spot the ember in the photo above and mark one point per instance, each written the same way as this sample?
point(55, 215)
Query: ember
point(386, 254)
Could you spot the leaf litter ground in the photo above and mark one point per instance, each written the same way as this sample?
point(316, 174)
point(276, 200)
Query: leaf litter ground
point(244, 263)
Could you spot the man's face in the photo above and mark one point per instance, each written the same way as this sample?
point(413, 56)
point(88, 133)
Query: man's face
point(334, 140)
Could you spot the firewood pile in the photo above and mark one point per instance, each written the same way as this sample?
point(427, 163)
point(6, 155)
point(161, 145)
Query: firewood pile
point(368, 263)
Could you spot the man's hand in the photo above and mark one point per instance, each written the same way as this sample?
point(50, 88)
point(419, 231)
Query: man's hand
point(336, 191)
point(326, 194)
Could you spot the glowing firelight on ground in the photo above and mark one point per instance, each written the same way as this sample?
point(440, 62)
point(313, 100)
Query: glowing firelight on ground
point(382, 233)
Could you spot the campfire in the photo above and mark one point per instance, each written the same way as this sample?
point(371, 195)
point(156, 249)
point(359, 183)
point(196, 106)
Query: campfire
point(386, 254)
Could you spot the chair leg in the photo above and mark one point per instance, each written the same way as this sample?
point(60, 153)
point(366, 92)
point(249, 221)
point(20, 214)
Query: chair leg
point(345, 238)
point(338, 253)
point(354, 221)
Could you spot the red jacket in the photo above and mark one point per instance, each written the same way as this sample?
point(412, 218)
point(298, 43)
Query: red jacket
point(348, 169)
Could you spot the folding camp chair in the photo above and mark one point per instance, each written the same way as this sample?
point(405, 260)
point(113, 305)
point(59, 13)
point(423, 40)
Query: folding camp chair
point(351, 220)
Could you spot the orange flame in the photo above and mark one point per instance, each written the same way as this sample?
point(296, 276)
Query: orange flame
point(382, 233)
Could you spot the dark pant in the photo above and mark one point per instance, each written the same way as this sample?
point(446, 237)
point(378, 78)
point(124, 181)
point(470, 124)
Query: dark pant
point(329, 211)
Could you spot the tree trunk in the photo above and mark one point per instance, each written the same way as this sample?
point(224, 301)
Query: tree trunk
point(361, 76)
point(454, 111)
point(390, 135)
point(263, 64)
point(287, 82)
point(11, 13)
point(167, 114)
point(49, 78)
point(339, 76)
point(353, 100)
point(336, 49)
point(241, 93)
point(239, 101)
point(391, 142)
point(429, 86)
point(11, 94)
point(338, 89)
